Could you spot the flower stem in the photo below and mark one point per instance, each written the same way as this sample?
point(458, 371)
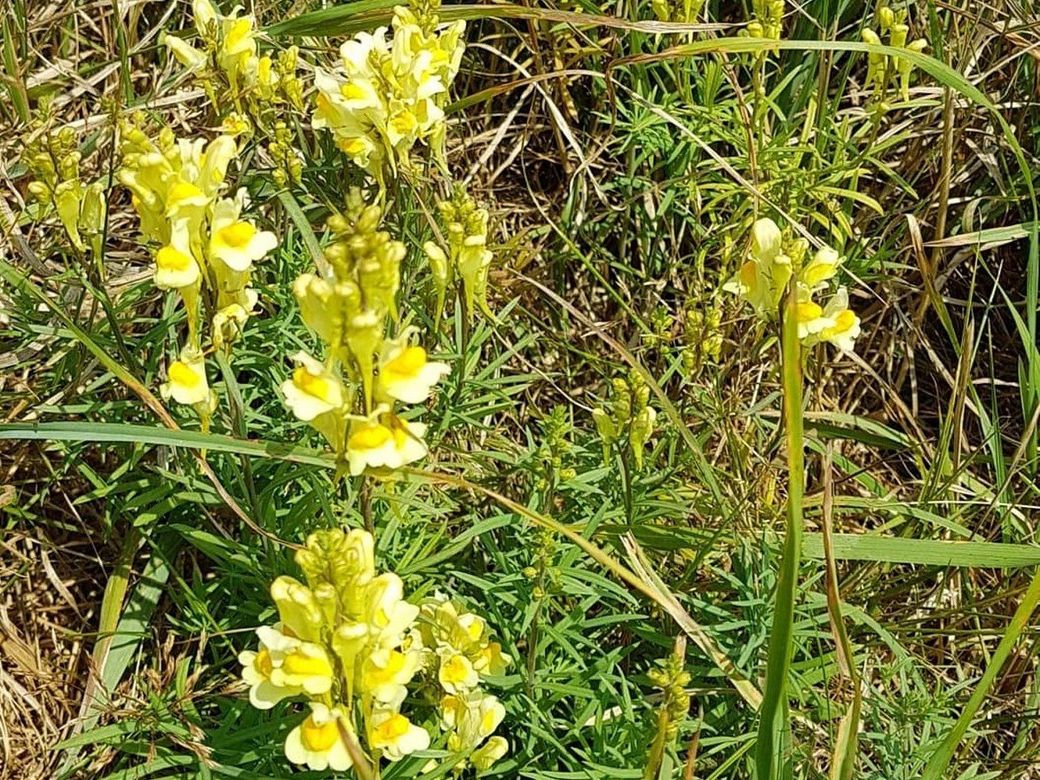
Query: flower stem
point(774, 728)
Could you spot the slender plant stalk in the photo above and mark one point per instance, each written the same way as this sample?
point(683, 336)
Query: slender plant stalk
point(768, 758)
point(843, 755)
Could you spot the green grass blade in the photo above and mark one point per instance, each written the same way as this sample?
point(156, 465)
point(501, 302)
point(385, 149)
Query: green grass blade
point(350, 18)
point(924, 552)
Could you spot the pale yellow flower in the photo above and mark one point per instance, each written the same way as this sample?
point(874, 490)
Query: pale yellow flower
point(821, 269)
point(492, 660)
point(312, 390)
point(258, 667)
point(846, 325)
point(389, 442)
point(405, 374)
point(386, 672)
point(395, 736)
point(489, 753)
point(811, 319)
point(317, 741)
point(204, 14)
point(236, 242)
point(176, 267)
point(471, 717)
point(316, 298)
point(186, 379)
point(228, 323)
point(307, 666)
point(766, 240)
point(762, 279)
point(386, 610)
point(186, 54)
point(455, 673)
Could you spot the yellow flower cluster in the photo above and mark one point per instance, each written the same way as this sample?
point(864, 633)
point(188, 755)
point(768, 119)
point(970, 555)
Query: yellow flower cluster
point(763, 278)
point(390, 94)
point(230, 67)
point(349, 643)
point(881, 68)
point(205, 249)
point(53, 160)
point(467, 259)
point(459, 652)
point(349, 309)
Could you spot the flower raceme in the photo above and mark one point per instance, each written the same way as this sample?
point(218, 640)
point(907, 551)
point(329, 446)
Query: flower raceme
point(350, 396)
point(881, 68)
point(773, 260)
point(349, 643)
point(388, 95)
point(230, 55)
point(204, 248)
point(467, 259)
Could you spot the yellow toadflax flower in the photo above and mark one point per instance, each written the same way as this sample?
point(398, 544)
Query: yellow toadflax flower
point(312, 390)
point(234, 241)
point(176, 268)
point(821, 269)
point(844, 325)
point(258, 667)
point(386, 672)
point(300, 614)
point(394, 735)
point(317, 741)
point(492, 751)
point(186, 379)
point(455, 672)
point(306, 667)
point(405, 374)
point(384, 441)
point(471, 718)
point(762, 279)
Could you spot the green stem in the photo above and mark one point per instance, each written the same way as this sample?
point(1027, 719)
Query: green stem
point(773, 734)
point(626, 477)
point(460, 306)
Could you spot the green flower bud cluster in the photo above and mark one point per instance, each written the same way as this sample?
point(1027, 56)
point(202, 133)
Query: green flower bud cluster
point(628, 420)
point(683, 11)
point(702, 336)
point(671, 679)
point(545, 576)
point(366, 266)
point(556, 429)
point(768, 21)
point(661, 324)
point(882, 69)
point(287, 160)
point(425, 12)
point(467, 258)
point(53, 159)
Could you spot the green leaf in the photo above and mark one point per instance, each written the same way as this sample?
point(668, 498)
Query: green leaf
point(924, 552)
